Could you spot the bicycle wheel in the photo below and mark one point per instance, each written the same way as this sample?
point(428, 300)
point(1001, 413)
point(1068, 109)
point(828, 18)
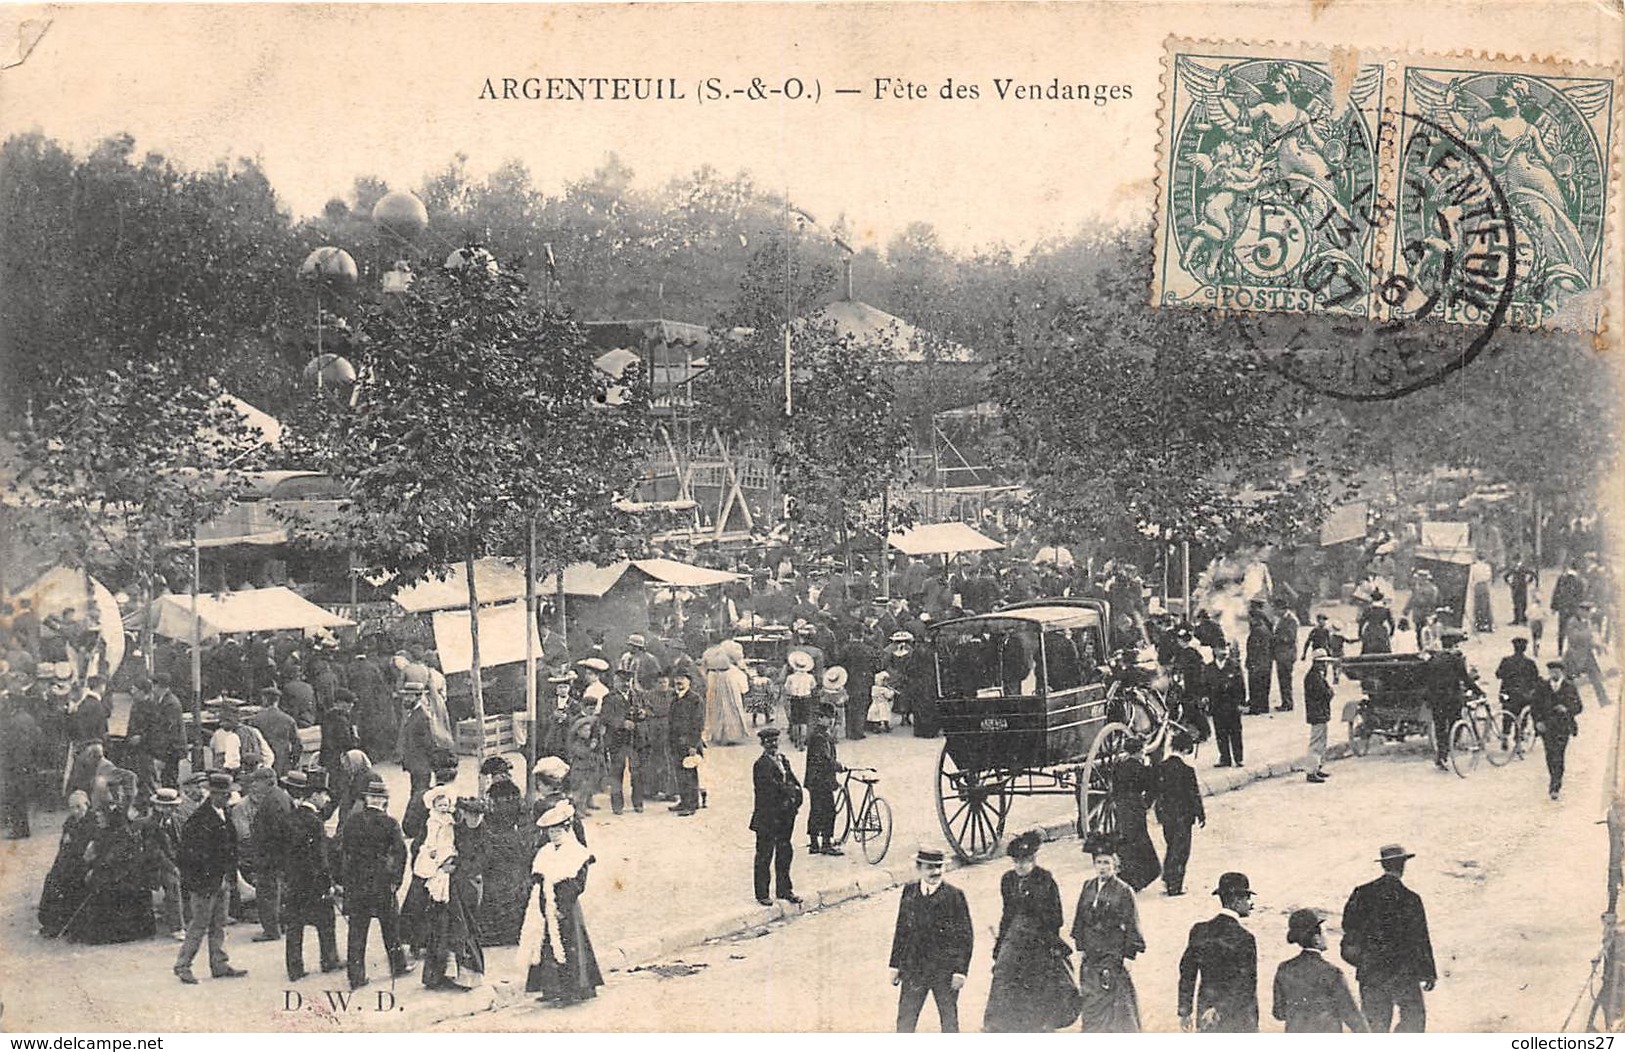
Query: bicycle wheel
point(843, 816)
point(876, 825)
point(1464, 748)
point(1526, 734)
point(1501, 739)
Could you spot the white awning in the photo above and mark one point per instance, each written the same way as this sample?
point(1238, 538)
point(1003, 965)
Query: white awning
point(684, 575)
point(494, 580)
point(502, 637)
point(941, 538)
point(251, 610)
point(594, 582)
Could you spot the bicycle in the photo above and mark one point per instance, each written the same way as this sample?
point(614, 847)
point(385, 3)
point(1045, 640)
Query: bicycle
point(1483, 730)
point(870, 823)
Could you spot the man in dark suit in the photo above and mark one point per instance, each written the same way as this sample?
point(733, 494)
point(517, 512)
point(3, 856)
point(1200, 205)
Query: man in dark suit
point(309, 895)
point(1227, 700)
point(1260, 657)
point(338, 729)
point(208, 865)
point(417, 738)
point(1178, 806)
point(372, 860)
point(1311, 993)
point(1520, 678)
point(1218, 975)
point(778, 798)
point(931, 945)
point(1567, 595)
point(1556, 703)
point(1449, 685)
point(1385, 937)
point(685, 728)
point(280, 731)
point(1286, 655)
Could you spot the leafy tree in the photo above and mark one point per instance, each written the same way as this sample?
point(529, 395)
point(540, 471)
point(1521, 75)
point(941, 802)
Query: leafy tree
point(1129, 422)
point(476, 412)
point(842, 447)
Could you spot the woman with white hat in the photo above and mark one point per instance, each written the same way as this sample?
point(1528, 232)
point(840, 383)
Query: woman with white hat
point(554, 947)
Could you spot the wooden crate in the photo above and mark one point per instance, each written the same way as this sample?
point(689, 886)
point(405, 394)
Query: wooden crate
point(498, 736)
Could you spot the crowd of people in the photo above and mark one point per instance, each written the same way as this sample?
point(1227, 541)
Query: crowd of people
point(171, 830)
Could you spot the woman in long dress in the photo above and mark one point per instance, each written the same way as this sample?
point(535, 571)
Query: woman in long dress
point(724, 703)
point(453, 959)
point(554, 946)
point(1106, 931)
point(64, 890)
point(1032, 987)
point(1133, 785)
point(118, 889)
point(511, 837)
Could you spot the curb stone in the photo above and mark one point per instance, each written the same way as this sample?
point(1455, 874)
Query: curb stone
point(630, 953)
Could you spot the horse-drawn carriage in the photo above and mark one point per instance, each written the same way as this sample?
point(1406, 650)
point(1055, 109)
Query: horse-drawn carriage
point(1393, 702)
point(1028, 709)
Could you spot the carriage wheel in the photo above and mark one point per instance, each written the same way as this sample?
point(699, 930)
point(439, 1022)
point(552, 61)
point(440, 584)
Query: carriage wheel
point(1359, 736)
point(1095, 783)
point(1501, 738)
point(971, 806)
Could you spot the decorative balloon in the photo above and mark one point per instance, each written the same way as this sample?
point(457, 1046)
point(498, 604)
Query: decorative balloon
point(329, 265)
point(330, 370)
point(400, 213)
point(472, 257)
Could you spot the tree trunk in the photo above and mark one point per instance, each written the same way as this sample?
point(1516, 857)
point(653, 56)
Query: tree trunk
point(197, 663)
point(474, 672)
point(530, 658)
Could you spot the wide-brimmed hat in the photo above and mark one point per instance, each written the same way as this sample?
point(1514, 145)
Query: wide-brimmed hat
point(559, 814)
point(1026, 845)
point(594, 663)
point(1394, 853)
point(553, 768)
point(166, 797)
point(1232, 884)
point(1301, 926)
point(834, 677)
point(800, 660)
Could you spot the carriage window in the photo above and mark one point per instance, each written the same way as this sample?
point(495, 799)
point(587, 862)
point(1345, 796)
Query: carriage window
point(987, 660)
point(1072, 657)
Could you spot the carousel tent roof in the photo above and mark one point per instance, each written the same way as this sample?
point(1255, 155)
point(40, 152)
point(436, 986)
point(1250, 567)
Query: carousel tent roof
point(594, 582)
point(251, 610)
point(941, 538)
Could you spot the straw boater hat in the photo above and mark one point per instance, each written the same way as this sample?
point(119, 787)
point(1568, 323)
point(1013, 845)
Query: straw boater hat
point(800, 660)
point(834, 678)
point(558, 815)
point(552, 768)
point(166, 797)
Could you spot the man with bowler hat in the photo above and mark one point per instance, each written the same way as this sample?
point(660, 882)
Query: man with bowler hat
point(208, 865)
point(778, 798)
point(931, 945)
point(308, 899)
point(1218, 974)
point(371, 861)
point(1385, 937)
point(1311, 993)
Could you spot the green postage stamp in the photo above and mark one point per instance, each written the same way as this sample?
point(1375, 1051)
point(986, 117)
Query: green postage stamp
point(1383, 187)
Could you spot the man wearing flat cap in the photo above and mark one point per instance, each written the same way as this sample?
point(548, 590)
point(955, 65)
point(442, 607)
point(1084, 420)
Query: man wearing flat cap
point(778, 798)
point(1218, 974)
point(208, 865)
point(1311, 994)
point(931, 945)
point(1449, 686)
point(1385, 937)
point(1556, 704)
point(371, 861)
